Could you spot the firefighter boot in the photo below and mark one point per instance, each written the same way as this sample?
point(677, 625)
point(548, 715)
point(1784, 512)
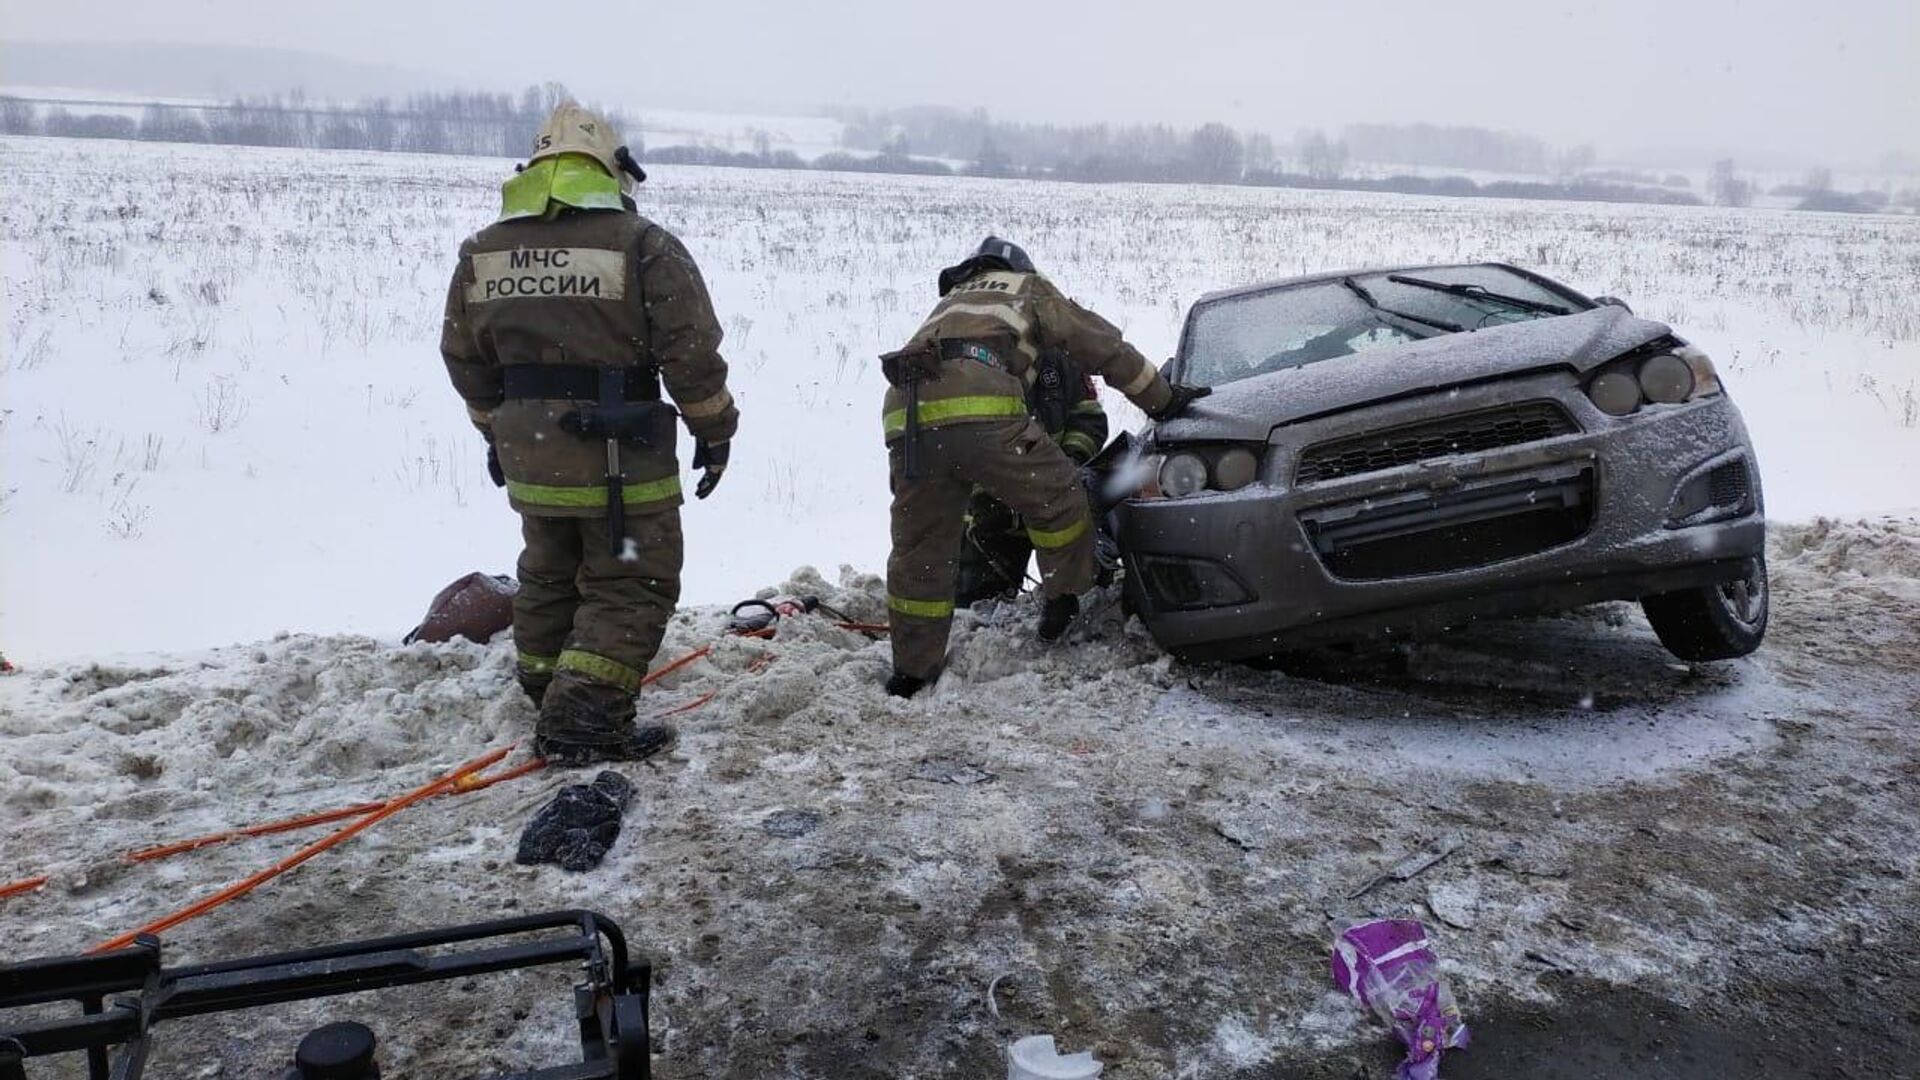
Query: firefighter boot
point(583, 721)
point(901, 685)
point(1057, 615)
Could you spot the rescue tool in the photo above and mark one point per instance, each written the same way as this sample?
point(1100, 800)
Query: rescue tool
point(906, 368)
point(760, 616)
point(126, 995)
point(617, 418)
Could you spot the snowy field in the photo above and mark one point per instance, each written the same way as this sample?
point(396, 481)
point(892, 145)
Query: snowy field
point(225, 418)
point(225, 415)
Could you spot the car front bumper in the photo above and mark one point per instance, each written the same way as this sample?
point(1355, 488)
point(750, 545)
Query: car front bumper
point(1608, 512)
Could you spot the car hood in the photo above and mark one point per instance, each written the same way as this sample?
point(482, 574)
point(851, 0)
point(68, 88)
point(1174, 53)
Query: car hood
point(1250, 409)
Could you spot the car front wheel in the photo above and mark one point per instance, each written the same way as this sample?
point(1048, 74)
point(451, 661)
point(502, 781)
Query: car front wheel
point(1717, 622)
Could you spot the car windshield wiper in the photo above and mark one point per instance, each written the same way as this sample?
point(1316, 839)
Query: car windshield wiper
point(1479, 292)
point(1360, 291)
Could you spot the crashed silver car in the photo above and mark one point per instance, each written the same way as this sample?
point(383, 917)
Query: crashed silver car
point(1397, 451)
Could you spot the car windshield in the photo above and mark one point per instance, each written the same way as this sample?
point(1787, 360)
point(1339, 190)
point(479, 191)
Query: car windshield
point(1243, 336)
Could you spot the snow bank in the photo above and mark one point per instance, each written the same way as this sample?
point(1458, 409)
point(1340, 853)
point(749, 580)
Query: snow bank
point(1140, 856)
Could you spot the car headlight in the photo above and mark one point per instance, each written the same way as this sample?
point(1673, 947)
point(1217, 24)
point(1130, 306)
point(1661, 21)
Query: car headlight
point(1666, 379)
point(1615, 393)
point(1661, 376)
point(1179, 473)
point(1234, 469)
point(1182, 475)
point(1706, 381)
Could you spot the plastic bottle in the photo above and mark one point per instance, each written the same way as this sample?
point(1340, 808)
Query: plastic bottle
point(1036, 1058)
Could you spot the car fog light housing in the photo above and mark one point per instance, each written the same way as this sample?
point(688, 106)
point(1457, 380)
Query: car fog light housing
point(1234, 469)
point(1182, 475)
point(1176, 583)
point(1615, 393)
point(1666, 379)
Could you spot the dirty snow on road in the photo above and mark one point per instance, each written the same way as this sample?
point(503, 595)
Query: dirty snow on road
point(1136, 855)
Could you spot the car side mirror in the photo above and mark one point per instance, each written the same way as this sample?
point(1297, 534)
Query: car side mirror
point(1613, 301)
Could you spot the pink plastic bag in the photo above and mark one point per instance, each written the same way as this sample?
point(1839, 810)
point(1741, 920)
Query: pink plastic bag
point(1386, 965)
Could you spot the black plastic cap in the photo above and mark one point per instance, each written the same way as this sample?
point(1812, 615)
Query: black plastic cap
point(342, 1051)
point(624, 158)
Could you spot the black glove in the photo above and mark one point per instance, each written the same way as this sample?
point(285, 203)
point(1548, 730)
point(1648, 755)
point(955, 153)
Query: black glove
point(1183, 396)
point(498, 477)
point(711, 457)
point(578, 826)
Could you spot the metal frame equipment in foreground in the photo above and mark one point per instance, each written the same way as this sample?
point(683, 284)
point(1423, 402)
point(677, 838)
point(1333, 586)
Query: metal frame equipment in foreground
point(125, 995)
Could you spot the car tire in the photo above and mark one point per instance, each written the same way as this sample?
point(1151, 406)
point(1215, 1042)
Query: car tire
point(1716, 622)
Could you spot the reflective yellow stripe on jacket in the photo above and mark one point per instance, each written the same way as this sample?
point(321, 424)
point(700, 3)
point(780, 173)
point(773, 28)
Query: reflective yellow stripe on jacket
point(633, 495)
point(957, 410)
point(1058, 538)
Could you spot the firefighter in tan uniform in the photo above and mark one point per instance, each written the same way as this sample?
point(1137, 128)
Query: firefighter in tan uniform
point(993, 560)
point(956, 418)
point(564, 318)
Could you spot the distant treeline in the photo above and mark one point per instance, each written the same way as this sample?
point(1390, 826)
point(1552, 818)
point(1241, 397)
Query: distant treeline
point(453, 123)
point(1454, 147)
point(925, 141)
point(1095, 153)
point(1214, 153)
point(1582, 189)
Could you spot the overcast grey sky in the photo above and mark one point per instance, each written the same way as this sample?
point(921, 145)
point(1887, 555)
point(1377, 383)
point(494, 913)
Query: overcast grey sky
point(1833, 79)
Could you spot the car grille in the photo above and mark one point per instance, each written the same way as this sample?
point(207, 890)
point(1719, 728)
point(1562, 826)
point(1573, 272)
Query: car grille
point(1436, 533)
point(1488, 429)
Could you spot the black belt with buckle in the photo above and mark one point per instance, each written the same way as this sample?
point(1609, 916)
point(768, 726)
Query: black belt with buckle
point(575, 382)
point(952, 349)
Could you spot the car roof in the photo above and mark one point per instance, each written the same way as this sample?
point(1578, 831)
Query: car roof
point(1336, 275)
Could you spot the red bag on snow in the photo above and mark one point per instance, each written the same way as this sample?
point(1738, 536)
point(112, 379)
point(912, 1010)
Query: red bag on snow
point(476, 607)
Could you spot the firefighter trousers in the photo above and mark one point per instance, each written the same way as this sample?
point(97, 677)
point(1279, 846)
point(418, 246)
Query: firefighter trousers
point(586, 621)
point(1015, 462)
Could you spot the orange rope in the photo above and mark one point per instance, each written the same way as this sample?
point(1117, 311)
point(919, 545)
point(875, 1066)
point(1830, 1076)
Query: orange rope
point(464, 786)
point(181, 847)
point(760, 663)
point(659, 673)
point(689, 706)
point(241, 888)
point(464, 782)
point(468, 784)
point(24, 886)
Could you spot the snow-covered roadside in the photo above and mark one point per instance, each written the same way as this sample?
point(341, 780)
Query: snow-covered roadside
point(233, 351)
point(1142, 854)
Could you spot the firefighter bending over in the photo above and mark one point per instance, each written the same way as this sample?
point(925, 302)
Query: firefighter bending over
point(994, 556)
point(956, 419)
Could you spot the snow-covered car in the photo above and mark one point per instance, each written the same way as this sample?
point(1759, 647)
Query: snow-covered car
point(1396, 451)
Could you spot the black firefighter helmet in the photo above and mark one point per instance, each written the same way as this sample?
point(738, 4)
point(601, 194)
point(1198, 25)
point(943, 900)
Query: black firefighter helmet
point(993, 253)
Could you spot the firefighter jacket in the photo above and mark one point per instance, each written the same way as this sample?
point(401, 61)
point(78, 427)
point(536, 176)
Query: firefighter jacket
point(1012, 318)
point(580, 291)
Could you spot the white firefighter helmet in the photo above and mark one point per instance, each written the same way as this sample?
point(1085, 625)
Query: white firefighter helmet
point(576, 129)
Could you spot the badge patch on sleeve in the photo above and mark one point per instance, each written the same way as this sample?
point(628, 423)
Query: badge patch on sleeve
point(575, 273)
